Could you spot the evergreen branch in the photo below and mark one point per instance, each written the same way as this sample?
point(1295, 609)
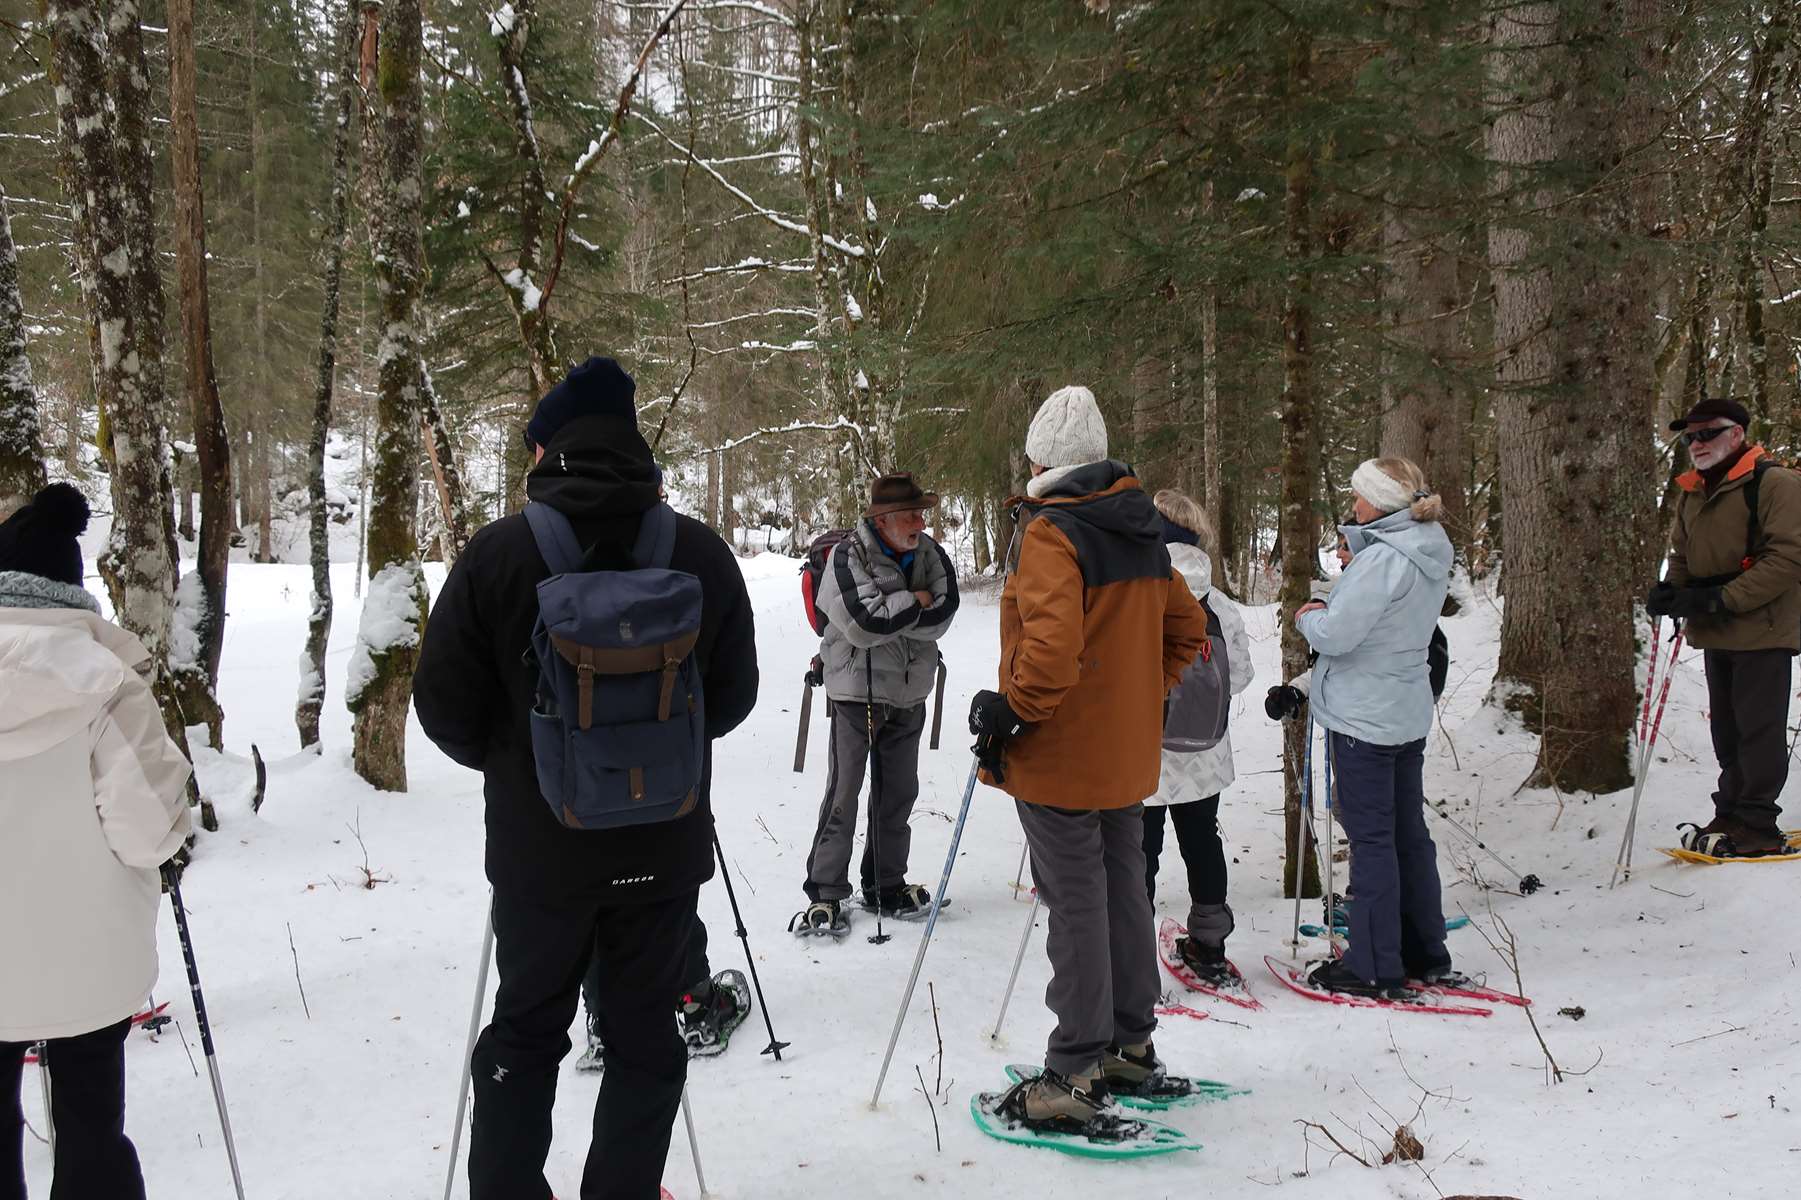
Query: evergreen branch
point(584, 166)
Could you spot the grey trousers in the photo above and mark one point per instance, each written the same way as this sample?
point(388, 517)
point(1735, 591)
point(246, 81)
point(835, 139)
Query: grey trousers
point(1089, 868)
point(896, 787)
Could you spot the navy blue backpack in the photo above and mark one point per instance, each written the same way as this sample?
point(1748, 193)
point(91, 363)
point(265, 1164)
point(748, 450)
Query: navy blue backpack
point(619, 727)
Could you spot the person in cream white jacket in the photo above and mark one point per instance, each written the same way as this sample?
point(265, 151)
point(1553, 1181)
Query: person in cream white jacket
point(92, 802)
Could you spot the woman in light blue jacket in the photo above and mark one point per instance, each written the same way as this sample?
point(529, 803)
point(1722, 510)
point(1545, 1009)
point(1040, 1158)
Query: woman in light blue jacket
point(1371, 692)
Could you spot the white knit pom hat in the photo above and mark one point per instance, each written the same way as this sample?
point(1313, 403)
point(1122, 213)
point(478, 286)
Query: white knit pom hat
point(1068, 430)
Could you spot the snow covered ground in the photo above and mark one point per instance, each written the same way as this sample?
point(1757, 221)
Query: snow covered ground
point(1687, 975)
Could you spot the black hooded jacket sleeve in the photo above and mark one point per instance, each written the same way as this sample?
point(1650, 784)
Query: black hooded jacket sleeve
point(473, 689)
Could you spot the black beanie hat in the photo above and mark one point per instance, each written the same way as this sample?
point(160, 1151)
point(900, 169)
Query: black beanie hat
point(39, 539)
point(599, 386)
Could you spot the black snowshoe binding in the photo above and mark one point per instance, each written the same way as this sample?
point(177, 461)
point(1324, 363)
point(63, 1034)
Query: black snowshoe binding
point(1334, 976)
point(1442, 977)
point(1731, 841)
point(1080, 1111)
point(1208, 964)
point(708, 1014)
point(903, 902)
point(822, 918)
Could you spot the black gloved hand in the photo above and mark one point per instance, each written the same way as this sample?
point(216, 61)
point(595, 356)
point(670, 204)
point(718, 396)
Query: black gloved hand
point(1283, 702)
point(1661, 597)
point(993, 721)
point(1689, 602)
point(815, 672)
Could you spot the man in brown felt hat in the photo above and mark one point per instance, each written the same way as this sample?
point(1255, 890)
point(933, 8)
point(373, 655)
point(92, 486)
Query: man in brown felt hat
point(888, 594)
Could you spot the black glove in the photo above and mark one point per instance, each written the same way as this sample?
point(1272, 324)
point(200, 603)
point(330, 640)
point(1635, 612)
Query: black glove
point(815, 672)
point(1283, 702)
point(1661, 597)
point(993, 721)
point(1686, 603)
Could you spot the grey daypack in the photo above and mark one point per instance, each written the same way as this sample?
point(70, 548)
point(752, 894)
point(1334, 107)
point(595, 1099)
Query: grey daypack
point(1201, 702)
point(618, 728)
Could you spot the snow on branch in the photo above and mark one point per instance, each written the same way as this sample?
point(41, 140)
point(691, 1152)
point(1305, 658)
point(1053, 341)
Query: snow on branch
point(808, 313)
point(793, 266)
point(797, 427)
point(704, 6)
point(801, 346)
point(774, 218)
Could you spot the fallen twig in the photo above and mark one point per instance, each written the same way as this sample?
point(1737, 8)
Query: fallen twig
point(1342, 1148)
point(297, 980)
point(933, 1108)
point(1705, 1037)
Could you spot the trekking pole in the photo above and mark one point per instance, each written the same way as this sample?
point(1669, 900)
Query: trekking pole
point(1306, 827)
point(44, 1079)
point(950, 860)
point(875, 790)
point(700, 1177)
point(1623, 860)
point(774, 1047)
point(1007, 997)
point(1528, 883)
point(475, 1021)
point(1019, 875)
point(206, 1029)
point(1644, 716)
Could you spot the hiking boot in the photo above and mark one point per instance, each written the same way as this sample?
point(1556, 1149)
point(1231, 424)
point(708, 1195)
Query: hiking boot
point(1128, 1068)
point(820, 917)
point(1051, 1100)
point(1334, 976)
point(1751, 841)
point(1443, 976)
point(1207, 962)
point(901, 900)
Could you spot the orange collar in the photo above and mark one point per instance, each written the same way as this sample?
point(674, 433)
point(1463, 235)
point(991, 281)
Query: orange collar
point(1690, 480)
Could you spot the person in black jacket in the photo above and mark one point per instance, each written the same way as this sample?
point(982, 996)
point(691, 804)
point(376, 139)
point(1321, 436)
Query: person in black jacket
point(625, 896)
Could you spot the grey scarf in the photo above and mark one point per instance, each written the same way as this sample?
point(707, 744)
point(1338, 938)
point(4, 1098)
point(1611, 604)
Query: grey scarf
point(21, 589)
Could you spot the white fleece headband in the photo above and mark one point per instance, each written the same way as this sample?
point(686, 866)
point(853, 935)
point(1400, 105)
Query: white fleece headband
point(1380, 489)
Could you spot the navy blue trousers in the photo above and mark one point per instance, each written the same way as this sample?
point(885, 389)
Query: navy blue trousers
point(1397, 925)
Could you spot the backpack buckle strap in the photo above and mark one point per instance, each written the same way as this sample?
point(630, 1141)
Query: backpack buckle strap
point(636, 776)
point(672, 662)
point(584, 673)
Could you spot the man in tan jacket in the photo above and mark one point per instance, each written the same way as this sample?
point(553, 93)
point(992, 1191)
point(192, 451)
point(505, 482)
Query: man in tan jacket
point(1095, 630)
point(1735, 577)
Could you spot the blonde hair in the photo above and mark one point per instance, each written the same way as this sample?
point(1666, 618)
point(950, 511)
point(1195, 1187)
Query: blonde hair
point(1179, 508)
point(1427, 505)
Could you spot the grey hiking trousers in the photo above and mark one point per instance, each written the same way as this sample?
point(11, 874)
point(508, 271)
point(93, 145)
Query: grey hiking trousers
point(896, 787)
point(1089, 869)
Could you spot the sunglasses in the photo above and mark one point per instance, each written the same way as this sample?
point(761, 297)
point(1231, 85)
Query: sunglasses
point(1704, 435)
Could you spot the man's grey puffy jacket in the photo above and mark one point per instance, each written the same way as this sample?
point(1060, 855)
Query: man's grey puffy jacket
point(870, 605)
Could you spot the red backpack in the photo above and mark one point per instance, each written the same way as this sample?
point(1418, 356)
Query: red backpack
point(812, 570)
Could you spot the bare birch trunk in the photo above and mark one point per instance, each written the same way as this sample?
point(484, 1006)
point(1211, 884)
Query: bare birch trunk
point(107, 177)
point(382, 665)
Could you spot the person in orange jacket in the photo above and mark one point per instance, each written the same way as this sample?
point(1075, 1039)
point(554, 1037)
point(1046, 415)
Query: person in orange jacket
point(1096, 628)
